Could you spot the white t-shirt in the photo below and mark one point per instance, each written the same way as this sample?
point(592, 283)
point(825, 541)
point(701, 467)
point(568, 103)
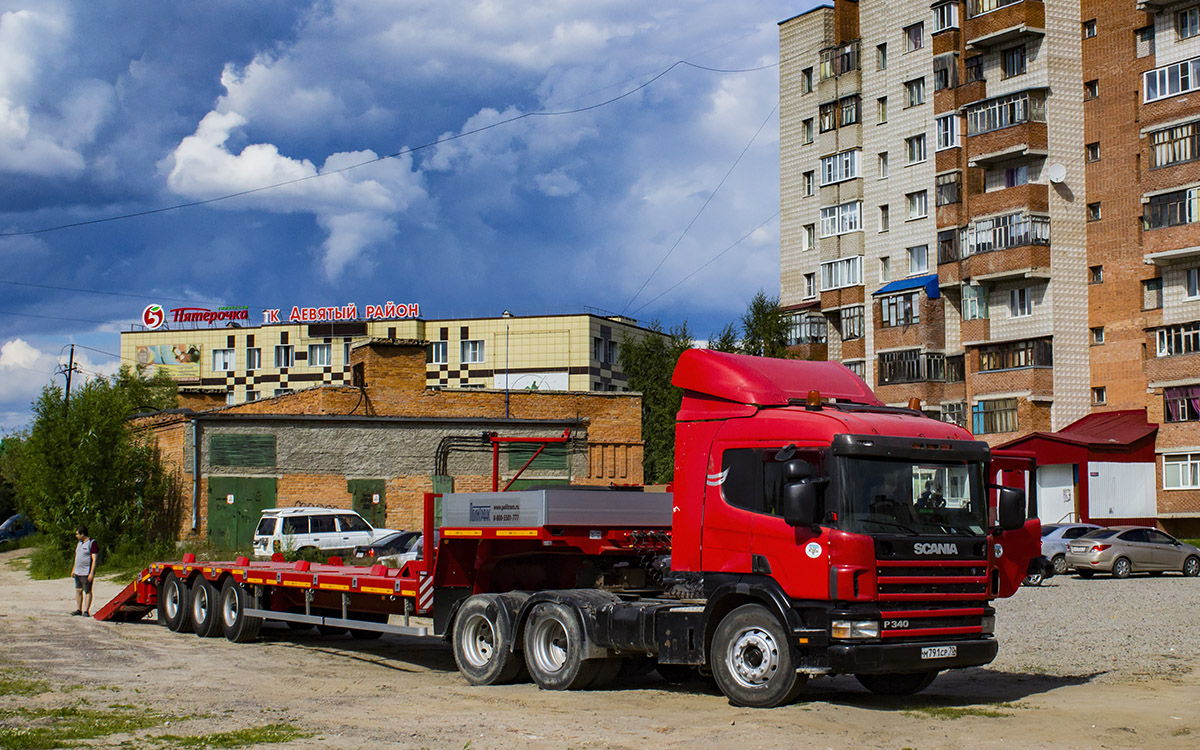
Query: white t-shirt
point(83, 557)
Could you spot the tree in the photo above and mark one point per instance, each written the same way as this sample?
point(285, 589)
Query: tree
point(725, 341)
point(648, 363)
point(82, 464)
point(8, 492)
point(765, 328)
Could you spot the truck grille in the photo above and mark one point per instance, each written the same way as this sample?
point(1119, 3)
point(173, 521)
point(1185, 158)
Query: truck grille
point(932, 598)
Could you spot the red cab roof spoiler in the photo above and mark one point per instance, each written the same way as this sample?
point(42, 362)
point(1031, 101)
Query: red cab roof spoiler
point(761, 381)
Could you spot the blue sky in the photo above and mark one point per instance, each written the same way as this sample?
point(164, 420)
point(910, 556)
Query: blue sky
point(109, 109)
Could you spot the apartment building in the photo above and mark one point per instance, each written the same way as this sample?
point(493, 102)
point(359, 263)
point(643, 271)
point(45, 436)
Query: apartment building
point(991, 204)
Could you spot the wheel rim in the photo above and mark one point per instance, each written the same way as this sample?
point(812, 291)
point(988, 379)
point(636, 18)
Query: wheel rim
point(229, 608)
point(753, 658)
point(1122, 568)
point(1191, 566)
point(1060, 565)
point(478, 641)
point(549, 645)
point(172, 603)
point(201, 606)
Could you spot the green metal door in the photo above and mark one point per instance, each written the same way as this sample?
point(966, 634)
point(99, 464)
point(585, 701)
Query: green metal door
point(369, 500)
point(234, 507)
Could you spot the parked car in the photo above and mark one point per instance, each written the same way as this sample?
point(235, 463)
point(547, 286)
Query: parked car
point(392, 544)
point(1122, 550)
point(329, 530)
point(1056, 537)
point(16, 527)
point(1038, 571)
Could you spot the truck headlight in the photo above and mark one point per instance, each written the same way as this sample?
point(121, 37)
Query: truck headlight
point(989, 624)
point(855, 628)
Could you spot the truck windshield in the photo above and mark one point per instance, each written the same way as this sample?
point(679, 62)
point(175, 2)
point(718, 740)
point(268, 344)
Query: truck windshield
point(903, 497)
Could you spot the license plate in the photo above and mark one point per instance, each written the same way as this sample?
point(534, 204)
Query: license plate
point(1078, 549)
point(939, 652)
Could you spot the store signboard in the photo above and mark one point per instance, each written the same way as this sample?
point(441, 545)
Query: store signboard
point(154, 317)
point(349, 311)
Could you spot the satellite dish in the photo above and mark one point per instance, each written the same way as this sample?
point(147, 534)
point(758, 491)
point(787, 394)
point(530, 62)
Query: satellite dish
point(1056, 172)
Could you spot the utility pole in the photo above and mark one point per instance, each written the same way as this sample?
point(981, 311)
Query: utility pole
point(70, 369)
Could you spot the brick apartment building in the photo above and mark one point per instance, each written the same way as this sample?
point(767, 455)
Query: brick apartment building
point(379, 445)
point(991, 206)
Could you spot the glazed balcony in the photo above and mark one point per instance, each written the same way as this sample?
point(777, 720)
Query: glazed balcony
point(1007, 127)
point(1028, 197)
point(992, 23)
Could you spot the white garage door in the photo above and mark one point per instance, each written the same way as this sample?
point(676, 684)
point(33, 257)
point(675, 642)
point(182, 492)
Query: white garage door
point(1056, 493)
point(1121, 490)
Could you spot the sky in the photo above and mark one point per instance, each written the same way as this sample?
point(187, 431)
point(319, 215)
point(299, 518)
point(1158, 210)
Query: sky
point(473, 156)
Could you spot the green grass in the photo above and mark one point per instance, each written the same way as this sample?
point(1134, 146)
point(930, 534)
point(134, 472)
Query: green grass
point(270, 733)
point(956, 712)
point(10, 684)
point(1193, 542)
point(41, 729)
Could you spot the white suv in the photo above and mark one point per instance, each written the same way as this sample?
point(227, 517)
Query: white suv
point(325, 529)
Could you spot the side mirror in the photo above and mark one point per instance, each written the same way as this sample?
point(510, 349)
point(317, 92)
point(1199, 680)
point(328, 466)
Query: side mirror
point(800, 504)
point(1011, 508)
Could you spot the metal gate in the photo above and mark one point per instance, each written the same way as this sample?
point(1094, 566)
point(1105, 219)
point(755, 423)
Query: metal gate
point(234, 507)
point(369, 501)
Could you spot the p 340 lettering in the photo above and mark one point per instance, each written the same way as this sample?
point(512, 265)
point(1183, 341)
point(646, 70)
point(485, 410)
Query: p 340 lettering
point(895, 624)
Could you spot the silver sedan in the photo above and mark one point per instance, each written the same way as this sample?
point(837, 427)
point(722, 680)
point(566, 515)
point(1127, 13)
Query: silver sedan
point(1122, 550)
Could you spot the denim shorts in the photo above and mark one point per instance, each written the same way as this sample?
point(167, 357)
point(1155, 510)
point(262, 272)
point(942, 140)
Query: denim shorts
point(82, 582)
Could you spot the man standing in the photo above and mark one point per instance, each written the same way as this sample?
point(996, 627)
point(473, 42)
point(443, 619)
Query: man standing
point(84, 571)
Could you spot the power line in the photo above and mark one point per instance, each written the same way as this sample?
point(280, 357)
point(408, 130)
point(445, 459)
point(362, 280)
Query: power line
point(55, 317)
point(94, 291)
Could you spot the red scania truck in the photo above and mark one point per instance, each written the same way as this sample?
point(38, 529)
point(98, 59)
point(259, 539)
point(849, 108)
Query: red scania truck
point(811, 531)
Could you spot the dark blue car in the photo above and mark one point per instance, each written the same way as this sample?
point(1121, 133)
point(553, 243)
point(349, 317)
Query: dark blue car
point(16, 527)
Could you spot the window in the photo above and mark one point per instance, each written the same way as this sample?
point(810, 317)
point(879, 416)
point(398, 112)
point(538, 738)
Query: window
point(806, 329)
point(1152, 296)
point(947, 132)
point(1091, 89)
point(1012, 61)
point(979, 7)
point(1092, 151)
point(1005, 111)
point(918, 205)
point(915, 148)
point(1181, 471)
point(810, 285)
point(1016, 354)
point(974, 302)
point(1182, 404)
point(806, 81)
point(438, 353)
point(827, 116)
point(1178, 339)
point(911, 366)
point(1097, 335)
point(604, 351)
point(1191, 283)
point(1171, 80)
point(841, 219)
point(230, 397)
point(947, 240)
point(914, 37)
point(852, 323)
point(253, 358)
point(223, 360)
point(1089, 29)
point(1095, 274)
point(948, 188)
point(251, 396)
point(998, 415)
point(881, 56)
point(945, 72)
point(836, 274)
point(955, 413)
point(346, 352)
point(884, 218)
point(914, 92)
point(883, 165)
point(282, 391)
point(849, 108)
point(839, 167)
point(881, 108)
point(320, 355)
point(1007, 176)
point(1020, 302)
point(900, 310)
point(810, 236)
point(471, 351)
point(283, 356)
point(1093, 212)
point(838, 60)
point(945, 16)
point(973, 69)
point(1187, 23)
point(753, 478)
point(1010, 230)
point(857, 367)
point(809, 179)
point(885, 269)
point(1175, 145)
point(918, 260)
point(807, 130)
point(1172, 209)
point(1099, 395)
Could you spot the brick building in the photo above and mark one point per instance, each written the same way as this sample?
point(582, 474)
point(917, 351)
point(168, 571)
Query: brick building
point(377, 446)
point(991, 205)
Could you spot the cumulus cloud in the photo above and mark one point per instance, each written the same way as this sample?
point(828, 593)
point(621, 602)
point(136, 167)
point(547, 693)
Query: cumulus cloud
point(25, 369)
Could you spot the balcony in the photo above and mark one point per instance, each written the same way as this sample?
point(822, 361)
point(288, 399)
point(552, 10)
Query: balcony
point(992, 23)
point(1030, 197)
point(1003, 232)
point(1007, 127)
point(1153, 6)
point(839, 60)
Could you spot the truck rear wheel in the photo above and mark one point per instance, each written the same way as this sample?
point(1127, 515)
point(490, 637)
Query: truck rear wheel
point(173, 604)
point(752, 661)
point(235, 623)
point(483, 645)
point(554, 643)
point(897, 684)
point(205, 621)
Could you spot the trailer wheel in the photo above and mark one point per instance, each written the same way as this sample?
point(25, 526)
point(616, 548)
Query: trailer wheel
point(173, 604)
point(483, 645)
point(235, 623)
point(897, 684)
point(554, 642)
point(752, 661)
point(205, 620)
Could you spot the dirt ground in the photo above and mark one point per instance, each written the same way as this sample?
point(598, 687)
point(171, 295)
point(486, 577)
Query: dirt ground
point(400, 692)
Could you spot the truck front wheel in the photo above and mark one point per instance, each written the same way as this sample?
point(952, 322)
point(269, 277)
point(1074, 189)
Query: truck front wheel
point(897, 684)
point(752, 661)
point(554, 643)
point(483, 645)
